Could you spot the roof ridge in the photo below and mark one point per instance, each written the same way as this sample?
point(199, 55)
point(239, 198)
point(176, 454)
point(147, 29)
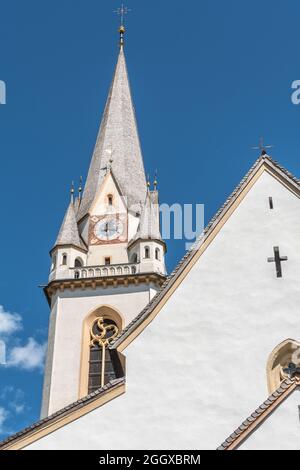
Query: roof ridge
point(263, 408)
point(77, 404)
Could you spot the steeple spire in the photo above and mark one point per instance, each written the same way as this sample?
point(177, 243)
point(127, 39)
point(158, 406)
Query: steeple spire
point(119, 131)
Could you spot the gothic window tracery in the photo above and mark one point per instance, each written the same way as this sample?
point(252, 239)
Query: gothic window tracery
point(104, 364)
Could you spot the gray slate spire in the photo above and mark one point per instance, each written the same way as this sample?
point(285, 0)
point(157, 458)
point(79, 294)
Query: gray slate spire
point(68, 234)
point(149, 223)
point(117, 140)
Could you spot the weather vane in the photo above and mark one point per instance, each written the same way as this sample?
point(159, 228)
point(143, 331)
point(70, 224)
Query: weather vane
point(122, 11)
point(262, 147)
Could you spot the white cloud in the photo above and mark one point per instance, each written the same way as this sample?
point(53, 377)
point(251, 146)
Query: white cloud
point(9, 322)
point(28, 357)
point(3, 417)
point(13, 398)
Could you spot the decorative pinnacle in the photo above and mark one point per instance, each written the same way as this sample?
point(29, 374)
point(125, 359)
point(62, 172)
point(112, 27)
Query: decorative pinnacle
point(80, 187)
point(148, 181)
point(72, 191)
point(155, 180)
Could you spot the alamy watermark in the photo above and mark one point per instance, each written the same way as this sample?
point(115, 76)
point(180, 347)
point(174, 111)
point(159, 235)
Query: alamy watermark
point(2, 92)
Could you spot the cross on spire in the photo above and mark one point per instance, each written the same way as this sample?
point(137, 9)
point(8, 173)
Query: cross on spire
point(277, 260)
point(262, 147)
point(122, 11)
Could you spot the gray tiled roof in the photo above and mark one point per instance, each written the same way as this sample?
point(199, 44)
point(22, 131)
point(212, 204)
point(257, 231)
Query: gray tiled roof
point(118, 134)
point(68, 234)
point(64, 411)
point(193, 250)
point(263, 409)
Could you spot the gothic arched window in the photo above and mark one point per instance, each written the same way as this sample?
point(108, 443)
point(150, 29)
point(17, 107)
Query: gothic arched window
point(78, 263)
point(53, 266)
point(64, 259)
point(147, 252)
point(104, 364)
point(157, 254)
point(134, 258)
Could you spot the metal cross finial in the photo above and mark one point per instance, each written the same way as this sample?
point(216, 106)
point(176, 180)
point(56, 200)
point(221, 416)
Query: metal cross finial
point(262, 147)
point(122, 11)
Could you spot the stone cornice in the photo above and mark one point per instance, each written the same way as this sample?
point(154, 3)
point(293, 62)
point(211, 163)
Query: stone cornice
point(103, 282)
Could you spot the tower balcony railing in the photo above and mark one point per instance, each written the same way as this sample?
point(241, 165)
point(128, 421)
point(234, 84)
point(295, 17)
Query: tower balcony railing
point(104, 271)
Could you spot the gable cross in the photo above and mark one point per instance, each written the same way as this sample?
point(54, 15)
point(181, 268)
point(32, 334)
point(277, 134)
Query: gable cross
point(277, 259)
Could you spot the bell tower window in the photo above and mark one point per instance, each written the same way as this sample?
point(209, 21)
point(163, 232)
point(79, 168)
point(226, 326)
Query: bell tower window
point(64, 259)
point(147, 252)
point(53, 263)
point(110, 199)
point(78, 263)
point(104, 363)
point(157, 254)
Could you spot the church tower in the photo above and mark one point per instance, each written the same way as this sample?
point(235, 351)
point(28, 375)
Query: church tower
point(108, 259)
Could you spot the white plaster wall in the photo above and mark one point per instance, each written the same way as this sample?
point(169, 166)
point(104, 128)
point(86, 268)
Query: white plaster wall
point(116, 251)
point(199, 368)
point(151, 264)
point(69, 309)
point(62, 271)
point(280, 431)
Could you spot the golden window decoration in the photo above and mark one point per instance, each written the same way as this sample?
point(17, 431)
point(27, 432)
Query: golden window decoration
point(102, 368)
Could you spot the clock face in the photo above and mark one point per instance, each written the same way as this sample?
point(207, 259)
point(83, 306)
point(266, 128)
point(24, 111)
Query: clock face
point(108, 229)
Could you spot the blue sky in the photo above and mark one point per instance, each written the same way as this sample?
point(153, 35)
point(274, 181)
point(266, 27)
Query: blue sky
point(208, 78)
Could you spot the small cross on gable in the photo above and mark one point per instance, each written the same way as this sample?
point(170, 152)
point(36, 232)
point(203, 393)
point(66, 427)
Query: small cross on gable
point(277, 259)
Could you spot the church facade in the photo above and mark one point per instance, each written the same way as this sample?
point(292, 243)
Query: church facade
point(141, 360)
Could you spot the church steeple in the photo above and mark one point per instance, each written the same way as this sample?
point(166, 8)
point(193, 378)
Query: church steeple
point(108, 259)
point(118, 140)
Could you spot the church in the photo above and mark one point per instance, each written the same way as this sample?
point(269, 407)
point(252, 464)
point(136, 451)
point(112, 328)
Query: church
point(206, 357)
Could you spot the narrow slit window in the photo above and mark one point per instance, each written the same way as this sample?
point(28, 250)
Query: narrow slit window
point(271, 204)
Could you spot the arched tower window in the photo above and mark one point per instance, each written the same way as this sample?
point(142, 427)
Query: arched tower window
point(64, 259)
point(147, 252)
point(134, 258)
point(157, 254)
point(110, 199)
point(104, 364)
point(53, 266)
point(78, 263)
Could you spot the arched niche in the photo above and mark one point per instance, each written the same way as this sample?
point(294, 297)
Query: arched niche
point(286, 352)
